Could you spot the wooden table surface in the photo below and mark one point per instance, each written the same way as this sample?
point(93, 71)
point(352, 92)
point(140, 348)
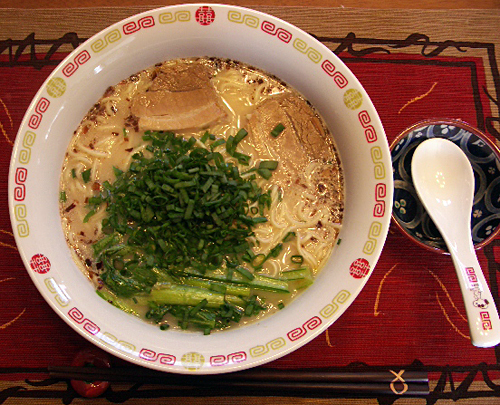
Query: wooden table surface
point(408, 4)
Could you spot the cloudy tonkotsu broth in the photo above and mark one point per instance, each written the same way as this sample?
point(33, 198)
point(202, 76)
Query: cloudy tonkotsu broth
point(192, 97)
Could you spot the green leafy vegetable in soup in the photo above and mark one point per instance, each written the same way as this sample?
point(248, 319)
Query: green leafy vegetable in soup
point(201, 193)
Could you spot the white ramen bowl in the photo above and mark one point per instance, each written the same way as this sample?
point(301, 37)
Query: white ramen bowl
point(184, 31)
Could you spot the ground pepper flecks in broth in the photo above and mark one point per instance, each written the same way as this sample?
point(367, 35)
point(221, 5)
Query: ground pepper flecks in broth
point(201, 193)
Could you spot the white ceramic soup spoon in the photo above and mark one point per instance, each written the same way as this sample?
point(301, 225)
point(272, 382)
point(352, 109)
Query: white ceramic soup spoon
point(444, 181)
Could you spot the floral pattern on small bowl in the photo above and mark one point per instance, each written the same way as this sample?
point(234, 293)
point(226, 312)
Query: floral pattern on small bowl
point(408, 212)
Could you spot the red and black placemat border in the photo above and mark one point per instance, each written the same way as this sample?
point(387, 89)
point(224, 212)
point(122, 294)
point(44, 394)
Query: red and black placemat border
point(451, 382)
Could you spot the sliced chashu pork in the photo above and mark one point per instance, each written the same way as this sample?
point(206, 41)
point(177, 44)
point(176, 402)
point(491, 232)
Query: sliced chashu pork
point(180, 97)
point(308, 164)
point(302, 141)
point(182, 76)
point(165, 110)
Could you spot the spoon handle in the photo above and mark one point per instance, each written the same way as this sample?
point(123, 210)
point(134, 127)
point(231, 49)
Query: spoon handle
point(484, 323)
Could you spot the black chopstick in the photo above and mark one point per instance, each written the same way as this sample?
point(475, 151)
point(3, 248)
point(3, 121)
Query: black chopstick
point(362, 382)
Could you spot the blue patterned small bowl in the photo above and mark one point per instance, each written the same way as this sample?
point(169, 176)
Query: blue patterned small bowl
point(408, 212)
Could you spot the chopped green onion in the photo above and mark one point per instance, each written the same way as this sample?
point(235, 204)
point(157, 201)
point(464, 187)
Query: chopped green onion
point(268, 164)
point(117, 171)
point(86, 175)
point(207, 184)
point(119, 264)
point(275, 251)
point(232, 142)
point(218, 142)
point(242, 158)
point(297, 259)
point(176, 218)
point(88, 216)
point(249, 309)
point(62, 196)
point(266, 173)
point(289, 236)
point(240, 135)
point(245, 273)
point(189, 210)
point(203, 303)
point(184, 184)
point(258, 260)
point(259, 220)
point(278, 129)
point(229, 145)
point(205, 136)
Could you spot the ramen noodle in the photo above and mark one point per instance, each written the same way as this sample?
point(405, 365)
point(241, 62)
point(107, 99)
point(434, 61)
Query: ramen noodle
point(249, 123)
